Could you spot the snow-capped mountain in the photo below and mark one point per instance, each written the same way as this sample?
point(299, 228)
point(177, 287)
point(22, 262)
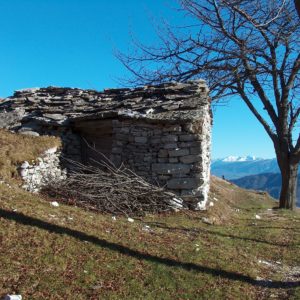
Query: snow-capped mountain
point(238, 158)
point(251, 173)
point(233, 167)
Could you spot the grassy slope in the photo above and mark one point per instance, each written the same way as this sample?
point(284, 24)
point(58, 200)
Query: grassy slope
point(15, 149)
point(66, 253)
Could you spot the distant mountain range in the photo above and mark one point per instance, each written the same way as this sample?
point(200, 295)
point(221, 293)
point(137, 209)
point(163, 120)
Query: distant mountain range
point(268, 182)
point(233, 167)
point(251, 173)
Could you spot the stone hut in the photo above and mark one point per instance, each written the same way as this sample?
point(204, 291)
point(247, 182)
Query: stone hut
point(162, 132)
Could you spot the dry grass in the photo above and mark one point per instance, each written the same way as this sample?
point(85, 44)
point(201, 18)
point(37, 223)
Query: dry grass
point(228, 199)
point(66, 252)
point(16, 148)
point(62, 252)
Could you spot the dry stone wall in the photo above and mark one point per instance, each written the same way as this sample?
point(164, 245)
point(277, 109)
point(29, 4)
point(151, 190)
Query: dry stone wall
point(71, 141)
point(176, 156)
point(44, 170)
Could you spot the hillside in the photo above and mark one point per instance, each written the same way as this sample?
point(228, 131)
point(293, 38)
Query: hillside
point(268, 182)
point(240, 248)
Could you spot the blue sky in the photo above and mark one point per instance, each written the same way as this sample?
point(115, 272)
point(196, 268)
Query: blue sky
point(71, 43)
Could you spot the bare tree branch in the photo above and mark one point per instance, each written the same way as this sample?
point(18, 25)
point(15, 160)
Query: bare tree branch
point(245, 48)
point(118, 191)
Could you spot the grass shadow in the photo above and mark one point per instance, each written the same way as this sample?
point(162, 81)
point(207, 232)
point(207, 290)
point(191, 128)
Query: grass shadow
point(34, 222)
point(198, 230)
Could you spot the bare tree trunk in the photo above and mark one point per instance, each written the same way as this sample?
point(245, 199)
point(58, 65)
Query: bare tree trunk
point(297, 5)
point(289, 174)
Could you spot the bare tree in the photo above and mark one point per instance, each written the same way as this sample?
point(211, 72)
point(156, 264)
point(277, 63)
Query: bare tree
point(297, 5)
point(245, 48)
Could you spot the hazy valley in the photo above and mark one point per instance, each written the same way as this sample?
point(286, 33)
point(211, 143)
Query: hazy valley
point(251, 173)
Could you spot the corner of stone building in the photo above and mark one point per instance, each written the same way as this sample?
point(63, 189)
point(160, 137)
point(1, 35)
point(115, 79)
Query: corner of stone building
point(201, 128)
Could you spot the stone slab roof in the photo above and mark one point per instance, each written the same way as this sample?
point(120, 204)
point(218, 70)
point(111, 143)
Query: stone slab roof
point(58, 106)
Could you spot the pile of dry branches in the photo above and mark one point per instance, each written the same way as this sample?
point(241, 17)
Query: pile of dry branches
point(107, 188)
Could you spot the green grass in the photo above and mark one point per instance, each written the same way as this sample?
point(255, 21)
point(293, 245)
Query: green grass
point(60, 253)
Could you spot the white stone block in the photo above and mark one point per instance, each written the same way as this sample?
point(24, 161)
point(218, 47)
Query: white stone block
point(51, 150)
point(25, 164)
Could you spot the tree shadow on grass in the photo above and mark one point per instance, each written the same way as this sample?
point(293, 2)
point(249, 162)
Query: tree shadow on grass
point(198, 230)
point(278, 227)
point(30, 221)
